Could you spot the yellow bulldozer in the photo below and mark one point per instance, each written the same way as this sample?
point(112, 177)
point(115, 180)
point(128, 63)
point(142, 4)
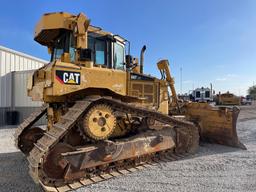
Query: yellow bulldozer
point(227, 99)
point(105, 117)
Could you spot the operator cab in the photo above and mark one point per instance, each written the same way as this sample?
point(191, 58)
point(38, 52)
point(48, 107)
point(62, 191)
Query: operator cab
point(107, 51)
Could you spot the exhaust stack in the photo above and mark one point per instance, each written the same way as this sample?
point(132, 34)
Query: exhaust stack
point(142, 58)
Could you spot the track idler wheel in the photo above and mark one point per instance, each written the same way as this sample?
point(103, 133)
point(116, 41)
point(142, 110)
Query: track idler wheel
point(28, 138)
point(55, 165)
point(99, 122)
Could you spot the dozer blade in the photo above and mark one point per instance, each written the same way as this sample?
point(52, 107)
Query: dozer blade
point(216, 124)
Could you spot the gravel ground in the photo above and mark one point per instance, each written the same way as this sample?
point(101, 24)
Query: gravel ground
point(213, 168)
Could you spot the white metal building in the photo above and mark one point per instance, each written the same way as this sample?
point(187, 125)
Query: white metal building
point(11, 60)
point(14, 69)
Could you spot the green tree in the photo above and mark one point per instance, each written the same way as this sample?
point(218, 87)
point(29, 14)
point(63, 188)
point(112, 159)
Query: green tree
point(252, 92)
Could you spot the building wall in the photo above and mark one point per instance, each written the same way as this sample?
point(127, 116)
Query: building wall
point(14, 86)
point(5, 83)
point(14, 70)
point(20, 98)
point(11, 60)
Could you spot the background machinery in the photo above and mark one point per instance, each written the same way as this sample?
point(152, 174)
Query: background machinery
point(104, 116)
point(227, 99)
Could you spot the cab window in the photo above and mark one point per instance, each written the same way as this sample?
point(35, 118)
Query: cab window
point(98, 48)
point(59, 45)
point(100, 52)
point(119, 56)
point(65, 43)
point(72, 49)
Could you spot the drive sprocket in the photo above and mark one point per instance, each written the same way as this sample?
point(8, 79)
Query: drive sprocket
point(99, 122)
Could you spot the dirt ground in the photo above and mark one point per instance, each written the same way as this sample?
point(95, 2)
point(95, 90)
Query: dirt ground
point(213, 168)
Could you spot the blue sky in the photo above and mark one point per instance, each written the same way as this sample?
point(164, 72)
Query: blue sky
point(214, 41)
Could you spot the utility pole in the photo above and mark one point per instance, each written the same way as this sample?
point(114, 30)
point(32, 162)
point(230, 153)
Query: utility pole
point(181, 80)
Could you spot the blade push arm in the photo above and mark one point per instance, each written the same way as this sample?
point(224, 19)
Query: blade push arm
point(164, 69)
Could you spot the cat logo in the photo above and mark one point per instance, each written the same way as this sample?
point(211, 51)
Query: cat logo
point(68, 77)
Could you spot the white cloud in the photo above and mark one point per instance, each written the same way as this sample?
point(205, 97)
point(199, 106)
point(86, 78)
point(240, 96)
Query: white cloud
point(221, 79)
point(227, 77)
point(232, 75)
point(220, 66)
point(187, 81)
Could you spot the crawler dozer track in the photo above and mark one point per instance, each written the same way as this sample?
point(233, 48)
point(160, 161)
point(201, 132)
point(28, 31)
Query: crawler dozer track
point(89, 164)
point(25, 126)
